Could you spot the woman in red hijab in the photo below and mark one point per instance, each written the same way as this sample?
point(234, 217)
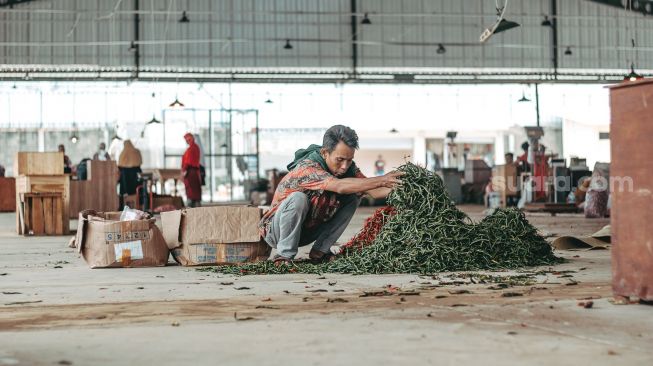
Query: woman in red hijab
point(190, 170)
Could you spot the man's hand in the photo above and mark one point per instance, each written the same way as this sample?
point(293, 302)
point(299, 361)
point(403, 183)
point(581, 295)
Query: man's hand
point(391, 179)
point(388, 183)
point(359, 185)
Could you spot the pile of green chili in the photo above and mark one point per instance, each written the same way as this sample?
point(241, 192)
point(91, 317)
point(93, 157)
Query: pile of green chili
point(428, 234)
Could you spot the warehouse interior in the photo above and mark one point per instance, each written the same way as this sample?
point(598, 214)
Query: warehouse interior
point(475, 173)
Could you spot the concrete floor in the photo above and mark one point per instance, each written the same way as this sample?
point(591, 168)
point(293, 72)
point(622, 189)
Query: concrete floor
point(54, 310)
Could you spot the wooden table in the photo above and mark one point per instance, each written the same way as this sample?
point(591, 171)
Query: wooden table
point(163, 175)
point(552, 208)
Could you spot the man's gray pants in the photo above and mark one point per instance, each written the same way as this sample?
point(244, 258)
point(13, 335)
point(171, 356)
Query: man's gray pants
point(287, 233)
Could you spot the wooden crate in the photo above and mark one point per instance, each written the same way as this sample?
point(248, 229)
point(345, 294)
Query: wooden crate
point(38, 163)
point(99, 192)
point(631, 107)
point(45, 184)
point(477, 171)
point(41, 214)
point(504, 181)
point(7, 194)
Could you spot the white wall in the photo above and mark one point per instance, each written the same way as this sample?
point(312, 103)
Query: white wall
point(365, 159)
point(581, 139)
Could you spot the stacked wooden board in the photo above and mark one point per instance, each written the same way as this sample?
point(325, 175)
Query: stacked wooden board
point(41, 173)
point(38, 163)
point(98, 192)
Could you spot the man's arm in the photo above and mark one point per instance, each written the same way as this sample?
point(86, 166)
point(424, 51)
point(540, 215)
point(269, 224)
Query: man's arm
point(378, 193)
point(362, 185)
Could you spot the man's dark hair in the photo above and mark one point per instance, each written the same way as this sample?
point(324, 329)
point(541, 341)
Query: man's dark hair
point(525, 146)
point(338, 133)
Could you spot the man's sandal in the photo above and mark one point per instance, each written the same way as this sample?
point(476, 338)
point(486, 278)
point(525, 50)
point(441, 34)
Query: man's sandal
point(317, 257)
point(279, 260)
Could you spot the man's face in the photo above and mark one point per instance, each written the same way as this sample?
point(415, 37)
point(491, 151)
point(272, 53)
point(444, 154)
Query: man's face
point(339, 160)
point(188, 139)
point(102, 146)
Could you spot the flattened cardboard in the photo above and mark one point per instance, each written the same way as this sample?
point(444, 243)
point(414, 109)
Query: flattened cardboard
point(222, 224)
point(214, 235)
point(171, 223)
point(599, 240)
point(106, 242)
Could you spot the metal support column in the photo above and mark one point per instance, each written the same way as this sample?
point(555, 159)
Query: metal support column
point(354, 39)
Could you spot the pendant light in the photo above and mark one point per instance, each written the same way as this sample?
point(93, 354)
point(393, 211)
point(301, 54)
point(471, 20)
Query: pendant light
point(632, 75)
point(184, 18)
point(546, 22)
point(74, 138)
point(177, 104)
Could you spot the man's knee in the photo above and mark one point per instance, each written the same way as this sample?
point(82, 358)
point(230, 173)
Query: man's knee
point(351, 199)
point(297, 201)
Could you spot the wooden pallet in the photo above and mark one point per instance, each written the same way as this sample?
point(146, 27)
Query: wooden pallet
point(41, 214)
point(552, 208)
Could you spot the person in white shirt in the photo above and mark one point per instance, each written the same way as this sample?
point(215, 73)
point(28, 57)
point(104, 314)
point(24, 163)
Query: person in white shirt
point(102, 153)
point(115, 148)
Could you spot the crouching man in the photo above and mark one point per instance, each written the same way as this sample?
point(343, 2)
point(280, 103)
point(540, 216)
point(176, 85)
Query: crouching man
point(318, 197)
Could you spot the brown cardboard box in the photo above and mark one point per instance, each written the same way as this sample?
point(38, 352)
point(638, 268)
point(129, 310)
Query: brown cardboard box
point(214, 235)
point(104, 241)
point(38, 163)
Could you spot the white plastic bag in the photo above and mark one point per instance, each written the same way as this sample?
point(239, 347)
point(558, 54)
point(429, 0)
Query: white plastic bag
point(130, 214)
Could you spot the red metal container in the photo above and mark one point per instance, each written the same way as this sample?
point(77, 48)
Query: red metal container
point(631, 131)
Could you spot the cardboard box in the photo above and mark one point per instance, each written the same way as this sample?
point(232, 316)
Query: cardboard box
point(104, 241)
point(214, 235)
point(162, 200)
point(38, 163)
